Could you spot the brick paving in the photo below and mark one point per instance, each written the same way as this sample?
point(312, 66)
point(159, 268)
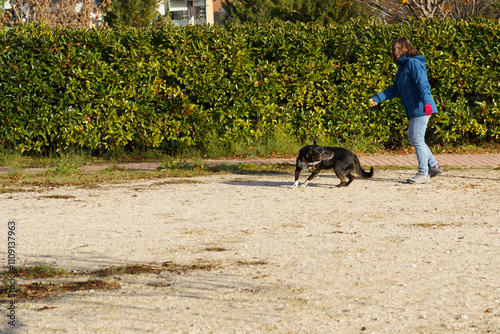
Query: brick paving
point(381, 160)
point(409, 160)
point(450, 160)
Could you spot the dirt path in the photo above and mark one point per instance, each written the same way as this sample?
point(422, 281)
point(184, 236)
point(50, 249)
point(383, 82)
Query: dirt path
point(379, 256)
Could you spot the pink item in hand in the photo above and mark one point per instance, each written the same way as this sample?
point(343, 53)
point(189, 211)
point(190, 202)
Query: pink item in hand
point(428, 110)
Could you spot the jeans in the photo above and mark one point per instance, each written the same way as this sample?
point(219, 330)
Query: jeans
point(416, 136)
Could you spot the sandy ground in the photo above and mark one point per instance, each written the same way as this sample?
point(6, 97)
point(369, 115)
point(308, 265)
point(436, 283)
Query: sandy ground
point(379, 256)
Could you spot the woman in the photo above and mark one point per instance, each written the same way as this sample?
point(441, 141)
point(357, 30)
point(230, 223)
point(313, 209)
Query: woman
point(412, 84)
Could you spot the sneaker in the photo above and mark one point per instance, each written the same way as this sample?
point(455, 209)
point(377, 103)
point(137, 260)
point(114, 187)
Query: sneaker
point(419, 178)
point(434, 171)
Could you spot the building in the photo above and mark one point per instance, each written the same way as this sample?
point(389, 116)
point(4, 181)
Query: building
point(219, 12)
point(6, 4)
point(186, 12)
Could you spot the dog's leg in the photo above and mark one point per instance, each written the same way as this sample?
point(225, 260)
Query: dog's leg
point(297, 174)
point(312, 176)
point(343, 182)
point(351, 178)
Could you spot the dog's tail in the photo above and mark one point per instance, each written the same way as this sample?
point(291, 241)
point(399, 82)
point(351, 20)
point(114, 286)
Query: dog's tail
point(361, 172)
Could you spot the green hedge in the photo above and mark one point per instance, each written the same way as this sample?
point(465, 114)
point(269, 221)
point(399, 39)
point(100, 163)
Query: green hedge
point(103, 89)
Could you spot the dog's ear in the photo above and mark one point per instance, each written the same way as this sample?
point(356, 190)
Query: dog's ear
point(310, 155)
point(313, 155)
point(314, 143)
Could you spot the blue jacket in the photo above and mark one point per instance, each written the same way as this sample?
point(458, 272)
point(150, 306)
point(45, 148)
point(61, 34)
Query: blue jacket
point(412, 83)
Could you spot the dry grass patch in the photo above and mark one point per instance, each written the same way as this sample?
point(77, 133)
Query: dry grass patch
point(130, 269)
point(251, 263)
point(5, 190)
point(215, 249)
point(46, 289)
point(175, 181)
point(58, 196)
point(41, 290)
point(182, 268)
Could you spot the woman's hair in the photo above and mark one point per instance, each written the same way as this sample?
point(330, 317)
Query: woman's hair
point(405, 42)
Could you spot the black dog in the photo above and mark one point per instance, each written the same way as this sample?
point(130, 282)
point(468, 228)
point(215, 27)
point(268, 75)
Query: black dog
point(315, 158)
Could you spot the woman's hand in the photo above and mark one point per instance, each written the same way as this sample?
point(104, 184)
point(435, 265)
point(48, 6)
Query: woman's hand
point(372, 103)
point(428, 110)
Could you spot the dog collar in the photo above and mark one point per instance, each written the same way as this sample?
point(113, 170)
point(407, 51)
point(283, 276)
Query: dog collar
point(304, 159)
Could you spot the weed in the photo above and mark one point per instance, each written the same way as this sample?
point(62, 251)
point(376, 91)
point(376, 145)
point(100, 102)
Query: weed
point(171, 164)
point(65, 167)
point(38, 271)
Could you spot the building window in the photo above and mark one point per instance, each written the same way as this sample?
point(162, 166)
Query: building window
point(185, 12)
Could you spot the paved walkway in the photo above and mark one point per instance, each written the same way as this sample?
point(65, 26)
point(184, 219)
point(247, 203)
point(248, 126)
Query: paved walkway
point(409, 160)
point(451, 160)
point(381, 160)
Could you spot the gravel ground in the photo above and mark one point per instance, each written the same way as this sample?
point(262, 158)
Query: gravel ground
point(379, 256)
